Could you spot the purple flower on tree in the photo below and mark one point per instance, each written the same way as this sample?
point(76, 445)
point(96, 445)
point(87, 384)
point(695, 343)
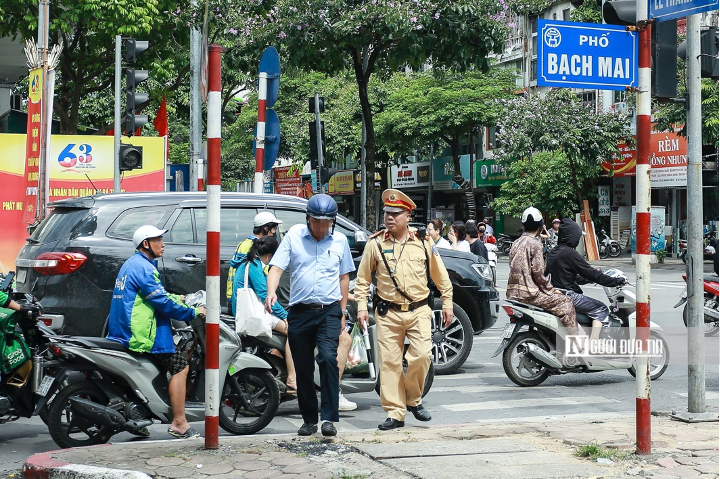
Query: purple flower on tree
point(282, 35)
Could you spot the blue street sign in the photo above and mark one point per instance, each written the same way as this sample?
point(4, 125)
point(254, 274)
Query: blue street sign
point(663, 10)
point(586, 55)
point(270, 64)
point(272, 139)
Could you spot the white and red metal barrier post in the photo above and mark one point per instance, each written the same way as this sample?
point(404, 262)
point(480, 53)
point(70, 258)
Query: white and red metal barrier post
point(260, 138)
point(212, 285)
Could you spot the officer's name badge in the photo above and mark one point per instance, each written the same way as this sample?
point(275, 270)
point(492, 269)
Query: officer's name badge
point(434, 250)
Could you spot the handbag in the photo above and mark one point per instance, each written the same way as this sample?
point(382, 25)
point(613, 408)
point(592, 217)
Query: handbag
point(251, 319)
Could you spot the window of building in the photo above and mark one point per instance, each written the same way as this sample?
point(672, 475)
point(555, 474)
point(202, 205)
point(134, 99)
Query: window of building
point(589, 99)
point(490, 141)
point(566, 14)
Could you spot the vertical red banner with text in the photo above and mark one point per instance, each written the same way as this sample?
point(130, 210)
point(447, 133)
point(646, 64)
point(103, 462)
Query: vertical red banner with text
point(32, 146)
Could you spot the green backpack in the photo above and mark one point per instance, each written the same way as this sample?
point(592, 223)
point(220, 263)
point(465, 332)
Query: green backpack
point(13, 349)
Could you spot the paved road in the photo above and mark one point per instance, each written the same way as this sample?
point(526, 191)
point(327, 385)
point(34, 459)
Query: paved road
point(477, 392)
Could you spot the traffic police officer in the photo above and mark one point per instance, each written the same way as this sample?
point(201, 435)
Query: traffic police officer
point(401, 260)
point(320, 264)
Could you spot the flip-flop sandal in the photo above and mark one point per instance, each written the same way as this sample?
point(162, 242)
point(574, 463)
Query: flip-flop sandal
point(189, 434)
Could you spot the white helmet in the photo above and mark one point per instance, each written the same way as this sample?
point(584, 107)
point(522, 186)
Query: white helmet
point(146, 232)
point(265, 217)
point(532, 219)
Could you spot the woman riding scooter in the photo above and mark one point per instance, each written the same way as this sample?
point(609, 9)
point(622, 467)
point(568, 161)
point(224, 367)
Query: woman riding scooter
point(567, 268)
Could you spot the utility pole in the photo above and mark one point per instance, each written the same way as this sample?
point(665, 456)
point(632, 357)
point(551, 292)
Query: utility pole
point(696, 345)
point(363, 155)
point(195, 105)
point(318, 130)
point(45, 118)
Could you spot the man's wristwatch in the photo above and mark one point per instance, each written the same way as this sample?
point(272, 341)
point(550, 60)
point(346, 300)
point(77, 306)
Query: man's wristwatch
point(345, 312)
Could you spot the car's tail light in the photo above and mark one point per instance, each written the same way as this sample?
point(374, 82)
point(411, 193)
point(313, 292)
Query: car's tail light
point(57, 263)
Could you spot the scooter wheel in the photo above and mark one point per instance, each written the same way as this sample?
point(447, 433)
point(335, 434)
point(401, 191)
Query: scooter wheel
point(249, 401)
point(711, 324)
point(69, 429)
point(614, 250)
point(520, 368)
point(658, 364)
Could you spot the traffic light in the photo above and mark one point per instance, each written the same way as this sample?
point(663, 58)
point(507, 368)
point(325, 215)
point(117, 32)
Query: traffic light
point(311, 106)
point(326, 173)
point(130, 157)
point(314, 143)
point(663, 45)
point(708, 53)
point(133, 78)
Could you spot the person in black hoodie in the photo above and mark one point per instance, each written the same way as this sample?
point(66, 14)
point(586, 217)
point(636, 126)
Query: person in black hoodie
point(567, 268)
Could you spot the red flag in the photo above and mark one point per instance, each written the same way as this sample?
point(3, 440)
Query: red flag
point(161, 120)
point(110, 133)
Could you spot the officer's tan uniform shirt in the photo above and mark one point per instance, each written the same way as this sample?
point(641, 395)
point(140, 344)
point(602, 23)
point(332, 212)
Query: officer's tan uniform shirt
point(410, 272)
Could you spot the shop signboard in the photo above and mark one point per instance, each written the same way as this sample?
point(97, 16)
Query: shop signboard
point(287, 181)
point(621, 191)
point(668, 160)
point(410, 175)
point(342, 183)
point(604, 200)
point(443, 172)
point(489, 173)
point(78, 166)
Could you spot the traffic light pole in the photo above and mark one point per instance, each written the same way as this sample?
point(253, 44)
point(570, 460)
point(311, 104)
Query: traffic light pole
point(116, 130)
point(642, 221)
point(318, 130)
point(695, 323)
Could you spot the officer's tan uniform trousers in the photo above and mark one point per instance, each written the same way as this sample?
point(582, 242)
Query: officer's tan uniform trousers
point(399, 389)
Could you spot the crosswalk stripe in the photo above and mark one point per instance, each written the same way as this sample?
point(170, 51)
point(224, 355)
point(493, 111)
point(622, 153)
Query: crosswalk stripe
point(708, 394)
point(484, 389)
point(523, 403)
point(450, 377)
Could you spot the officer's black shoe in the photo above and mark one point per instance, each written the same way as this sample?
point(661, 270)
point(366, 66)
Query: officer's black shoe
point(390, 423)
point(328, 429)
point(420, 413)
point(307, 429)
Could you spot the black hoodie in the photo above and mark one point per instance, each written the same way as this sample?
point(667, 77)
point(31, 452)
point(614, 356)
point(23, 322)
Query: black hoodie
point(564, 263)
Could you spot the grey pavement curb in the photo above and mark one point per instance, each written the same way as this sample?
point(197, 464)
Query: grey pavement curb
point(43, 466)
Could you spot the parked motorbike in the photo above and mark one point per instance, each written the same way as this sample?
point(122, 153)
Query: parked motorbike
point(504, 243)
point(125, 391)
point(25, 391)
point(607, 245)
point(710, 299)
point(358, 382)
point(708, 248)
point(530, 352)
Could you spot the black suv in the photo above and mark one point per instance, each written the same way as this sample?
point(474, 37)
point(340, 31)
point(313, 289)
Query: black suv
point(72, 259)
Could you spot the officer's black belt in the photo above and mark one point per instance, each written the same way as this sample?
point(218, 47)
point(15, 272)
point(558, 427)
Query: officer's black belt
point(408, 306)
point(314, 306)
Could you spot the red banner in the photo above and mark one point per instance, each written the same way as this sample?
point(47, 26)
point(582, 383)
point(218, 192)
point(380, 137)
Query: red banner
point(32, 145)
point(287, 182)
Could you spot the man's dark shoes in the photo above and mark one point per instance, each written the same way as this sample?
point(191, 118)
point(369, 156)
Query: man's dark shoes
point(307, 429)
point(420, 413)
point(328, 429)
point(390, 423)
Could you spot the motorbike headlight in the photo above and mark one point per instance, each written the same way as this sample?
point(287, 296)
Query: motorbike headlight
point(483, 270)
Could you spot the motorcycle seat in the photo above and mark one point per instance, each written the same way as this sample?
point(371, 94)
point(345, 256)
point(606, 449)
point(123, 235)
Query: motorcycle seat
point(712, 277)
point(583, 318)
point(103, 343)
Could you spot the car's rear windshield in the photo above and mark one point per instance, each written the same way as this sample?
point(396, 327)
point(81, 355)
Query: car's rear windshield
point(59, 224)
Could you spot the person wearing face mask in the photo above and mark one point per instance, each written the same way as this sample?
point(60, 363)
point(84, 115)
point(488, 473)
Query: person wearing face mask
point(258, 256)
point(140, 313)
point(434, 230)
point(320, 264)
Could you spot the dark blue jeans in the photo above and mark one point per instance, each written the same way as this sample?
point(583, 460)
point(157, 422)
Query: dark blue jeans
point(306, 329)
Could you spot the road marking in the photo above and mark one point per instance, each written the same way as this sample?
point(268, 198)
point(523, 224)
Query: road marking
point(450, 377)
point(708, 394)
point(564, 417)
point(524, 403)
point(483, 389)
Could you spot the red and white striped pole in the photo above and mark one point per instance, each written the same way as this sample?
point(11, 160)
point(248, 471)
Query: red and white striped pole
point(642, 222)
point(212, 282)
point(260, 138)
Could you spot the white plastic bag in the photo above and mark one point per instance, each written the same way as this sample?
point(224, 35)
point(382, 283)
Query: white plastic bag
point(251, 319)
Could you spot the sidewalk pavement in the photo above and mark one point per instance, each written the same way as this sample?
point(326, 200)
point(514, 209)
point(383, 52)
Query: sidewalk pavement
point(537, 448)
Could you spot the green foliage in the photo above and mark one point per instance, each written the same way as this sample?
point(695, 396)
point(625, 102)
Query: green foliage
point(589, 11)
point(542, 180)
point(527, 7)
point(425, 108)
point(670, 114)
point(660, 254)
point(593, 451)
point(560, 122)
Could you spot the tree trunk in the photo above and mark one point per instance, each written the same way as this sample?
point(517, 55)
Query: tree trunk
point(362, 77)
point(578, 192)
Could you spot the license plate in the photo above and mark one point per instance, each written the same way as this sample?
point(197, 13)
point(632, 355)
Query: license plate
point(45, 385)
point(507, 331)
point(21, 275)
